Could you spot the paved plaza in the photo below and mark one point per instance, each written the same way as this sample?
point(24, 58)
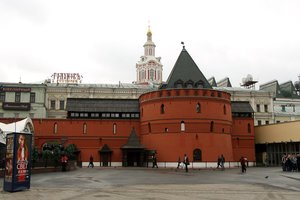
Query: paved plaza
point(161, 183)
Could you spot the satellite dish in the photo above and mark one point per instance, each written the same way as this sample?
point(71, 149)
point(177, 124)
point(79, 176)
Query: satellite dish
point(249, 77)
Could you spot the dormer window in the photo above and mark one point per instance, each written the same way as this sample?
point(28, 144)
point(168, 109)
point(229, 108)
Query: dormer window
point(178, 84)
point(189, 84)
point(199, 84)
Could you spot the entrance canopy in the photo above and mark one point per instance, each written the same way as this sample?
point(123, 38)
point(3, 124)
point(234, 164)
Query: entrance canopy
point(23, 126)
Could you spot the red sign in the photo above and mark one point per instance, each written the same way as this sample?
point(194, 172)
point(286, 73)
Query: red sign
point(66, 78)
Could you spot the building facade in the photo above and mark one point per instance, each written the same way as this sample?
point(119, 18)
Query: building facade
point(286, 101)
point(184, 116)
point(19, 100)
point(261, 101)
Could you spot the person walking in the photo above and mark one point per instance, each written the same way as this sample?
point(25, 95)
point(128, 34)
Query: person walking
point(243, 164)
point(179, 161)
point(222, 162)
point(154, 161)
point(186, 162)
point(219, 162)
point(91, 163)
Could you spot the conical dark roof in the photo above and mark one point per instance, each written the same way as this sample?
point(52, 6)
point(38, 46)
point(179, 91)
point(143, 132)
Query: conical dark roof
point(186, 73)
point(105, 149)
point(133, 141)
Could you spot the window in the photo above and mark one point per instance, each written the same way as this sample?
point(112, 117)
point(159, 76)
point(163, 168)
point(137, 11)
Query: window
point(149, 127)
point(32, 97)
point(178, 84)
point(84, 128)
point(162, 109)
point(266, 108)
point(259, 122)
point(257, 108)
point(199, 84)
point(249, 128)
point(2, 96)
point(151, 74)
point(283, 108)
point(166, 130)
point(198, 108)
point(52, 104)
point(55, 128)
point(211, 126)
point(95, 115)
point(189, 84)
point(61, 105)
point(18, 97)
point(182, 126)
point(267, 122)
point(114, 128)
point(224, 109)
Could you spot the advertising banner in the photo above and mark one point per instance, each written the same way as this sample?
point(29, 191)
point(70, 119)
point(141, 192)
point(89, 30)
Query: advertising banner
point(18, 162)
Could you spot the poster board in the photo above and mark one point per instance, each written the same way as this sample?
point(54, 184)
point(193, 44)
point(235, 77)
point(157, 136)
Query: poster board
point(17, 172)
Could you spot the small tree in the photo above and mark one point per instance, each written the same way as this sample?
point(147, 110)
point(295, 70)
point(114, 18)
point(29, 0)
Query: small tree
point(47, 155)
point(71, 151)
point(35, 156)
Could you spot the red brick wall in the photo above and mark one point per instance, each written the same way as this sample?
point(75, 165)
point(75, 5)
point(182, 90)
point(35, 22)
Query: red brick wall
point(243, 141)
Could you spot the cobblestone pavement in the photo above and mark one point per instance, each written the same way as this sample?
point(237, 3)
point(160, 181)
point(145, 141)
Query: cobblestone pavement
point(162, 183)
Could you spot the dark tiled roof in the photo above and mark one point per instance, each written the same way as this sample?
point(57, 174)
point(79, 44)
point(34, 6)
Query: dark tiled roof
point(284, 90)
point(103, 105)
point(133, 141)
point(288, 90)
point(105, 149)
point(224, 83)
point(241, 107)
point(212, 81)
point(271, 86)
point(185, 71)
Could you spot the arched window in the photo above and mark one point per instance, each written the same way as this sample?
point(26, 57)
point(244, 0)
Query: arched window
point(178, 84)
point(249, 128)
point(162, 109)
point(149, 127)
point(198, 108)
point(224, 109)
point(197, 155)
point(199, 84)
point(211, 126)
point(84, 128)
point(114, 128)
point(55, 128)
point(151, 74)
point(182, 126)
point(189, 84)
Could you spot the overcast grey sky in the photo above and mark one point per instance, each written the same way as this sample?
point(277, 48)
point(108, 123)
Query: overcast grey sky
point(103, 40)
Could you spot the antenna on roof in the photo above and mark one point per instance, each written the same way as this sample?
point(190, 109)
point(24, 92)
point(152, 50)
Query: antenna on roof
point(183, 45)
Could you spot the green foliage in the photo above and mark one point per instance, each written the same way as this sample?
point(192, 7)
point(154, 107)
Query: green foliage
point(71, 151)
point(35, 154)
point(47, 155)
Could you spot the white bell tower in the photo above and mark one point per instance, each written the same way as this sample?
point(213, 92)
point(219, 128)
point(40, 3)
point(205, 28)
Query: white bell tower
point(149, 68)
